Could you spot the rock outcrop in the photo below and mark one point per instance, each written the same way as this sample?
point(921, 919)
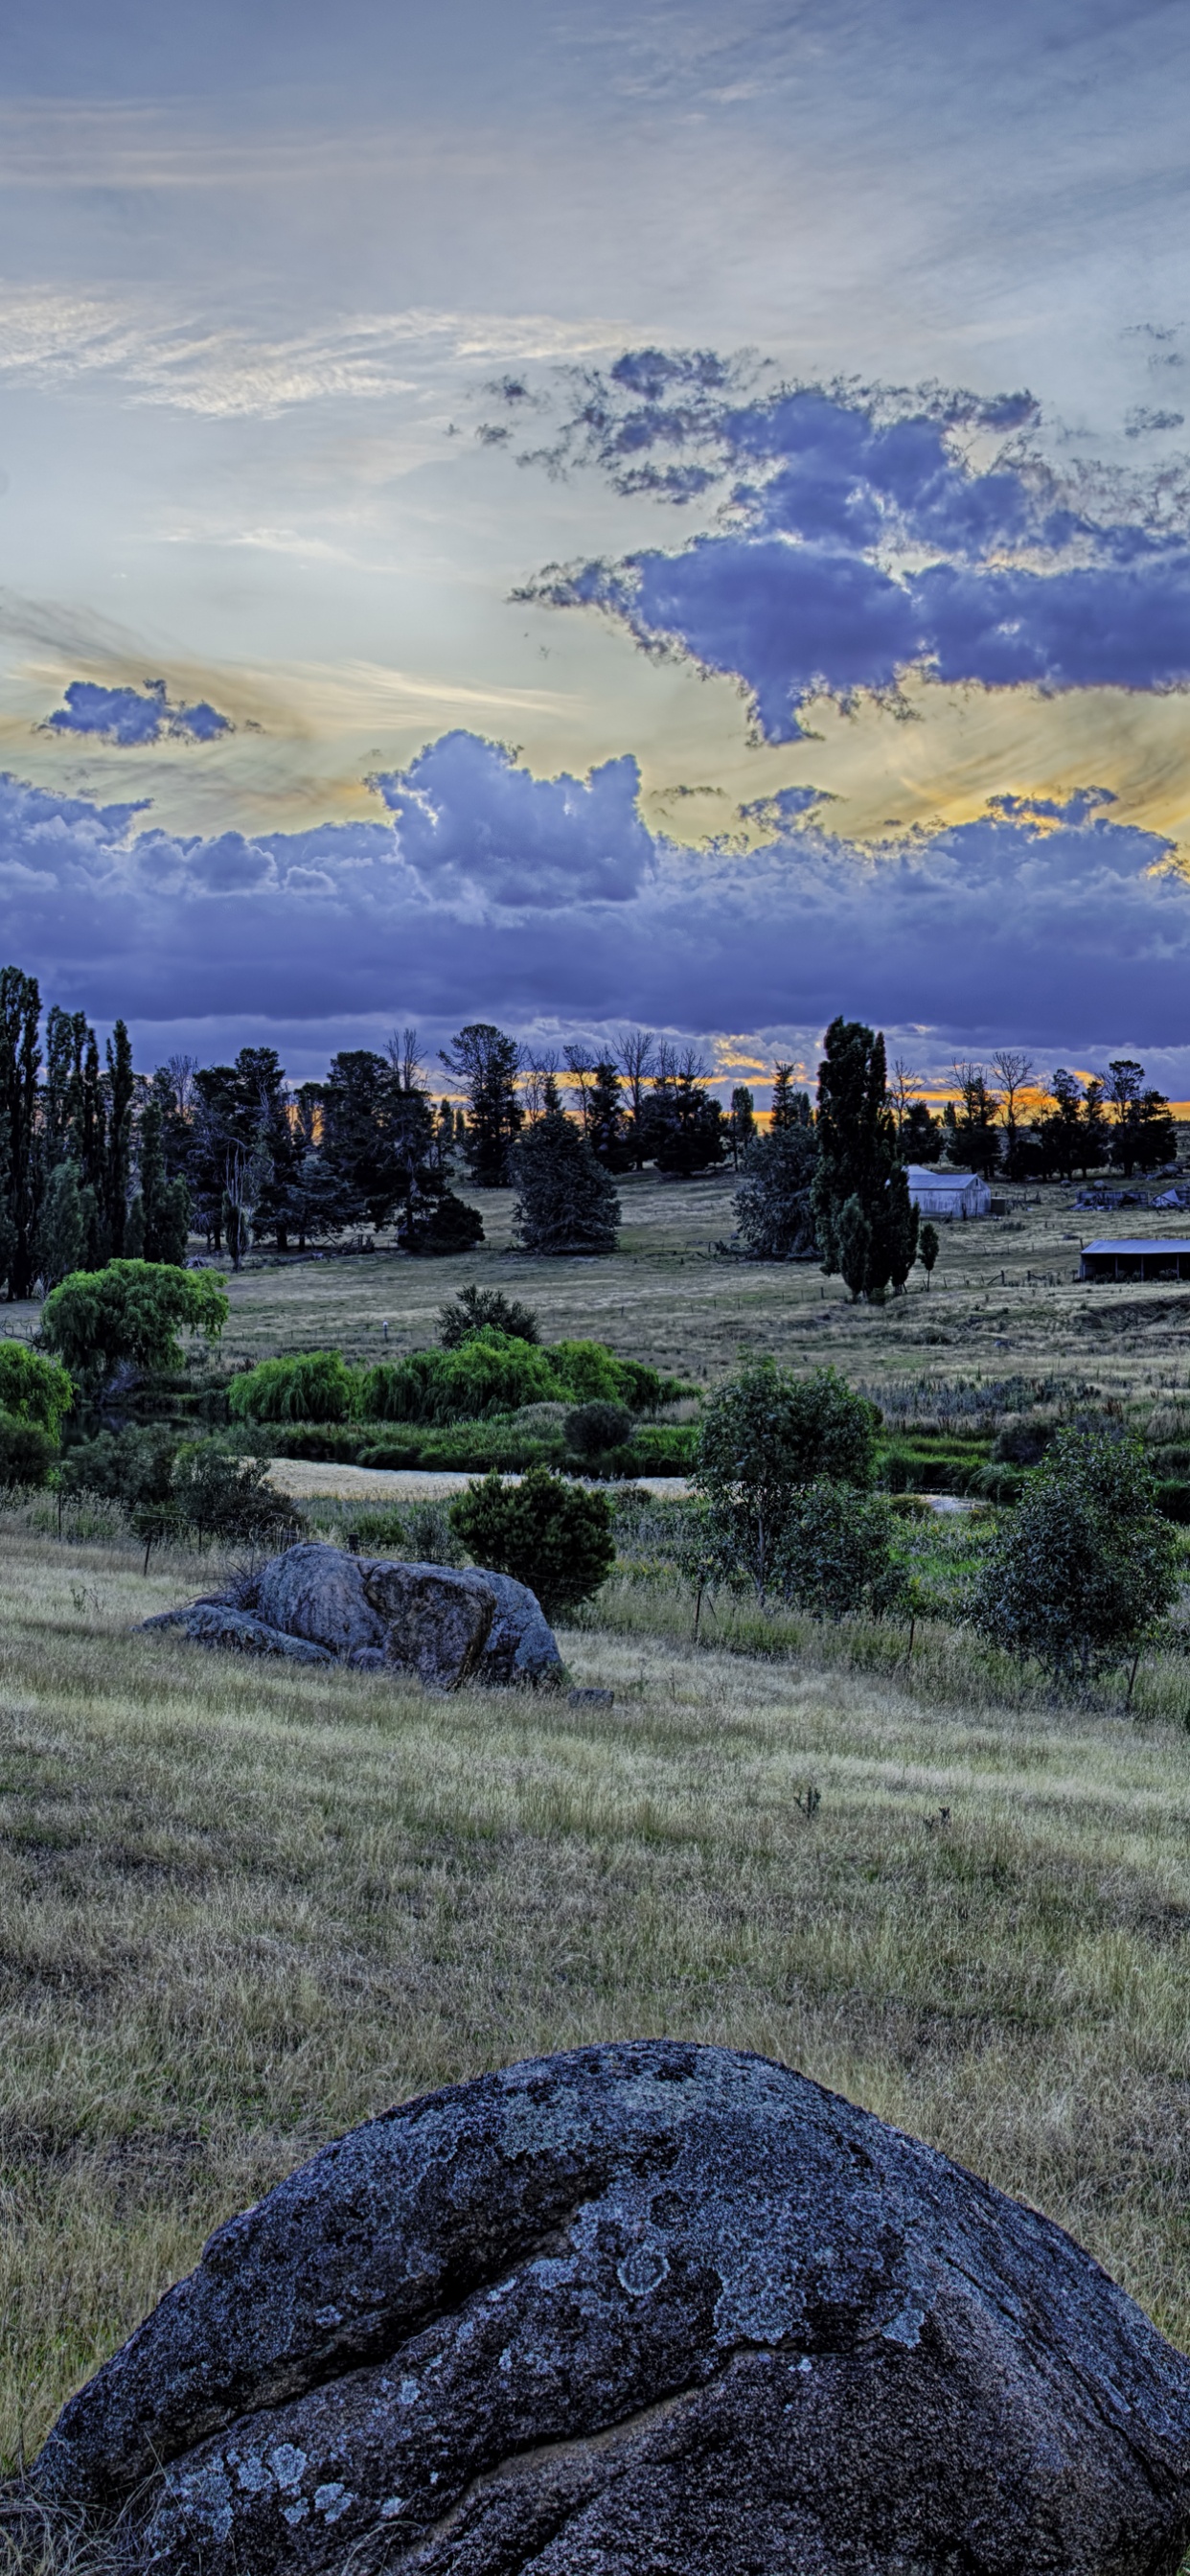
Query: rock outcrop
point(648, 2307)
point(319, 1604)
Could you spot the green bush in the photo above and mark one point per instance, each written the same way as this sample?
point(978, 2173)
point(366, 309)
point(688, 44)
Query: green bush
point(324, 1443)
point(130, 1467)
point(835, 1557)
point(1173, 1498)
point(396, 1448)
point(660, 1449)
point(313, 1386)
point(219, 1496)
point(489, 1372)
point(1086, 1568)
point(378, 1533)
point(592, 1429)
point(475, 1307)
point(132, 1312)
point(547, 1533)
point(33, 1389)
point(766, 1435)
point(27, 1453)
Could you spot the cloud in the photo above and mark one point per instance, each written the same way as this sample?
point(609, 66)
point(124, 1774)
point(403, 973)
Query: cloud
point(133, 717)
point(484, 892)
point(867, 534)
point(470, 823)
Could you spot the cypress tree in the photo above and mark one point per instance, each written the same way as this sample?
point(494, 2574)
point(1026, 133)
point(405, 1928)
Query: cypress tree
point(20, 1065)
point(566, 1200)
point(865, 1224)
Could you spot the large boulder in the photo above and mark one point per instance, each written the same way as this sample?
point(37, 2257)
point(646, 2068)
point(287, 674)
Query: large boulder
point(649, 2307)
point(316, 1603)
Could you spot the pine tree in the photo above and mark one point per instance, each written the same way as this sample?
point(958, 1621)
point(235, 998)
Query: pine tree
point(605, 1120)
point(162, 1206)
point(488, 1062)
point(566, 1201)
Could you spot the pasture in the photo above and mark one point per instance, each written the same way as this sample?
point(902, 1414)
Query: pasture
point(243, 1907)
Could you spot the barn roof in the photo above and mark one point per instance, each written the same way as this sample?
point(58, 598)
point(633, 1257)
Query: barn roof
point(1132, 1243)
point(926, 1176)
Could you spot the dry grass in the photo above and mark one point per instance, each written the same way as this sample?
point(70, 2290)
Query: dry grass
point(241, 1909)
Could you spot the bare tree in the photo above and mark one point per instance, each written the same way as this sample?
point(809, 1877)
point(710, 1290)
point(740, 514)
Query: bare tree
point(404, 1055)
point(633, 1052)
point(903, 1088)
point(181, 1070)
point(580, 1065)
point(539, 1083)
point(1014, 1073)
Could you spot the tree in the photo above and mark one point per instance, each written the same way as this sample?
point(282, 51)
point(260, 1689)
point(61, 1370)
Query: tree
point(896, 1220)
point(921, 1134)
point(1154, 1136)
point(378, 1136)
point(1063, 1131)
point(164, 1205)
point(131, 1311)
point(473, 1308)
point(449, 1227)
point(487, 1063)
point(835, 1556)
point(606, 1120)
point(975, 1133)
point(684, 1126)
point(60, 1243)
point(34, 1389)
point(592, 1429)
point(742, 1123)
point(219, 1496)
point(903, 1086)
point(116, 1187)
point(773, 1210)
point(855, 1158)
point(545, 1532)
point(635, 1058)
point(1085, 1569)
point(566, 1201)
point(765, 1435)
point(1125, 1078)
point(928, 1249)
point(790, 1107)
point(20, 1064)
point(1014, 1074)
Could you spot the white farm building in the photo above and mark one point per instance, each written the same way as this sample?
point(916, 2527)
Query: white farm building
point(948, 1194)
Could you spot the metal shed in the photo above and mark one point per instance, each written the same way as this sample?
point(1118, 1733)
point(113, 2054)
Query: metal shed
point(1128, 1257)
point(947, 1194)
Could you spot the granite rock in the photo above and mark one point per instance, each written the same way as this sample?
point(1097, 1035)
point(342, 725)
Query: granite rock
point(648, 2307)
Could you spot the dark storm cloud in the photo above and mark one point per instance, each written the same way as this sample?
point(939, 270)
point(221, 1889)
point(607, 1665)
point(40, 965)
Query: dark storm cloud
point(860, 542)
point(1038, 918)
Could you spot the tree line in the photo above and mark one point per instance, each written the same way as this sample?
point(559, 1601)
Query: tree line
point(101, 1162)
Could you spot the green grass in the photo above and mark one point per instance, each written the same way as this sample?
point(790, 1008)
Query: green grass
point(241, 1909)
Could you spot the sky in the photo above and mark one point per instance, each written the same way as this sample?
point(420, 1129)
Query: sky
point(590, 517)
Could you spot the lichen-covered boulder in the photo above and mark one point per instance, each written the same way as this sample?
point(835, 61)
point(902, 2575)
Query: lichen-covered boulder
point(376, 1613)
point(646, 2307)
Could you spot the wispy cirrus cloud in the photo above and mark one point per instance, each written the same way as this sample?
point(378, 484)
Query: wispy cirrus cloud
point(50, 338)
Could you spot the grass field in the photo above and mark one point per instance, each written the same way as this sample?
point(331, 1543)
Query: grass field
point(241, 1908)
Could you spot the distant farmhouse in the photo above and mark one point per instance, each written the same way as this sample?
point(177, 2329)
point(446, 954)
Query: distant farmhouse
point(947, 1194)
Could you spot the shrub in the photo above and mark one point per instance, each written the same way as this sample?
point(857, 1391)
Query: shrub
point(33, 1389)
point(27, 1452)
point(489, 1372)
point(764, 1435)
point(1086, 1569)
point(317, 1386)
point(431, 1540)
point(475, 1307)
point(835, 1556)
point(591, 1374)
point(219, 1496)
point(327, 1443)
point(133, 1312)
point(450, 1227)
point(378, 1533)
point(659, 1449)
point(130, 1467)
point(544, 1532)
point(591, 1429)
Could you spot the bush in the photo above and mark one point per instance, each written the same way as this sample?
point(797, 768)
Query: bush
point(544, 1532)
point(219, 1496)
point(431, 1540)
point(317, 1386)
point(1086, 1569)
point(765, 1435)
point(325, 1443)
point(27, 1453)
point(591, 1429)
point(489, 1372)
point(130, 1467)
point(475, 1307)
point(835, 1557)
point(659, 1449)
point(33, 1389)
point(378, 1533)
point(450, 1227)
point(131, 1312)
